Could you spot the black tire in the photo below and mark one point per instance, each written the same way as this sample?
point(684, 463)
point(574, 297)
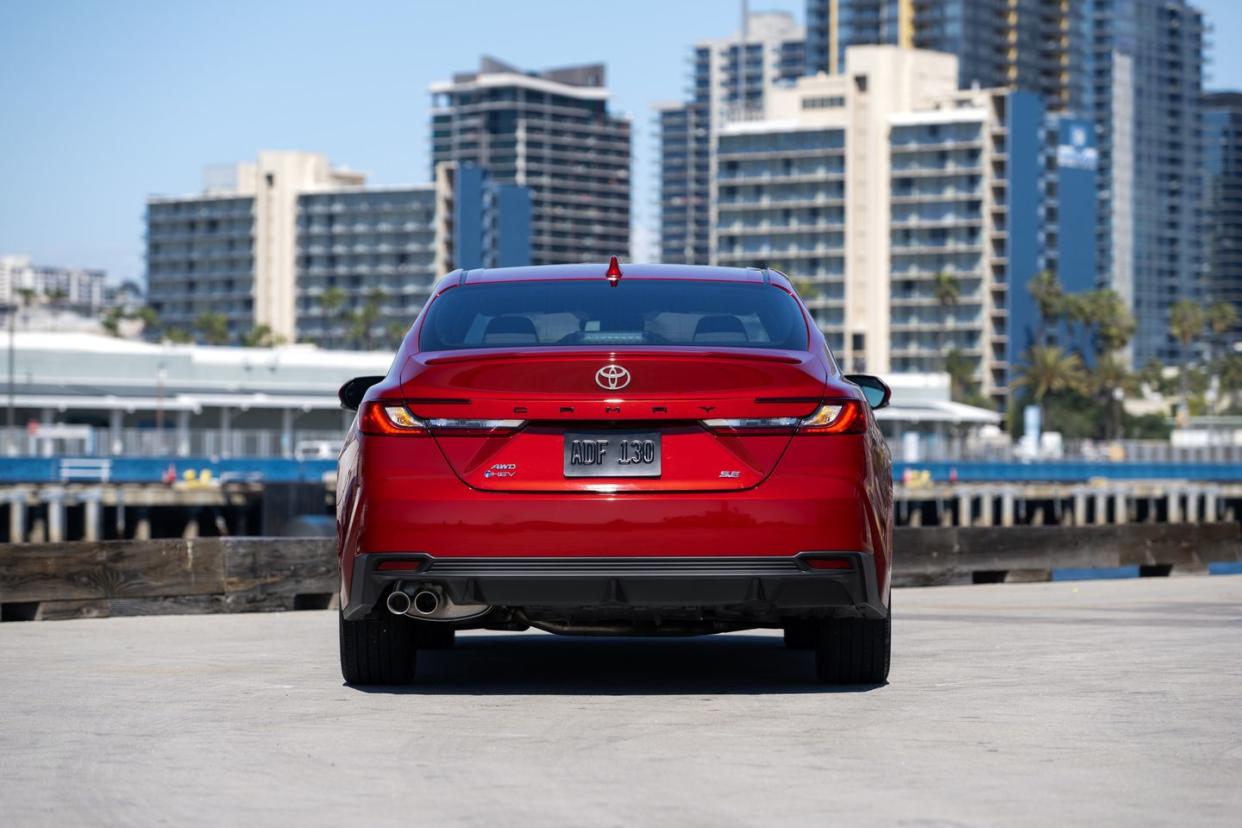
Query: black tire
point(434, 635)
point(853, 650)
point(801, 634)
point(378, 650)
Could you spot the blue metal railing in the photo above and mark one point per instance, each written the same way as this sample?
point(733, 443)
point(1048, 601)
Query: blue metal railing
point(280, 470)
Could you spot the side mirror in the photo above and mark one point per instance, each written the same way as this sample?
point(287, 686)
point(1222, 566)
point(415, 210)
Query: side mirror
point(351, 393)
point(874, 389)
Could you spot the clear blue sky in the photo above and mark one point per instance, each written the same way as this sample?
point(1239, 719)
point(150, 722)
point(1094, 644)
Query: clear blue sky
point(103, 103)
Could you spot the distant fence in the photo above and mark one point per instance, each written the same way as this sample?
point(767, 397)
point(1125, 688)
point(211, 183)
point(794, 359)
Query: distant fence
point(27, 469)
point(260, 574)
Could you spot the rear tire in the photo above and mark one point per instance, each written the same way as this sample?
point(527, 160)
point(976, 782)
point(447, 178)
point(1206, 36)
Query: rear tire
point(378, 650)
point(853, 650)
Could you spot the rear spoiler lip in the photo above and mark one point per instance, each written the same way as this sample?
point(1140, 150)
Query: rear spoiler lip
point(475, 354)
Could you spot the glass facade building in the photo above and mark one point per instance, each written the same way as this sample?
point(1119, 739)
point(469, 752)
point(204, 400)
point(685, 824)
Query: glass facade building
point(1222, 157)
point(552, 132)
point(1034, 45)
point(1145, 95)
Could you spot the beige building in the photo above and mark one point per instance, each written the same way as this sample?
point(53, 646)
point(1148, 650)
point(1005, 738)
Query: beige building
point(865, 187)
point(232, 249)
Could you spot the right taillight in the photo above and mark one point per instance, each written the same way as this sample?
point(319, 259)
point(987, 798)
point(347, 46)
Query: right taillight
point(840, 417)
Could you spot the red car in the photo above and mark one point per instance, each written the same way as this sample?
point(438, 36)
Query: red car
point(598, 450)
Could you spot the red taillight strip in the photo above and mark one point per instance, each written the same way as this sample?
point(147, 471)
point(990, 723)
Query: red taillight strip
point(390, 418)
point(834, 417)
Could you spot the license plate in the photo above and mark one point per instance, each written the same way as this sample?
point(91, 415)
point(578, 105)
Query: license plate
point(613, 454)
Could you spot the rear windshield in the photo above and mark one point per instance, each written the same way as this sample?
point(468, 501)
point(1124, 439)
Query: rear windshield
point(638, 312)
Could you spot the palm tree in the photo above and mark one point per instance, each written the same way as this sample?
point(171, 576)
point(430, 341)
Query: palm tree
point(1186, 320)
point(213, 327)
point(1049, 370)
point(947, 291)
point(261, 336)
point(1049, 297)
point(1113, 326)
point(330, 301)
point(1222, 317)
point(1110, 382)
point(362, 321)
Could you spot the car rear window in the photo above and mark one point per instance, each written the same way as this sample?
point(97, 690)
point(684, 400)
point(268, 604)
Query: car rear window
point(637, 312)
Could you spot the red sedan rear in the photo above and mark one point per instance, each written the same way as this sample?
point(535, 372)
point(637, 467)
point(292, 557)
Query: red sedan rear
point(590, 449)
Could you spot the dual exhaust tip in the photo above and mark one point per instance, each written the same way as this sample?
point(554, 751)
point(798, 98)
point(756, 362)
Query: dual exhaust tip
point(424, 602)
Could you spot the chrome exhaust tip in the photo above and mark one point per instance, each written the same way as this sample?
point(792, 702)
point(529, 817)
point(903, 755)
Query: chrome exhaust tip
point(398, 602)
point(426, 602)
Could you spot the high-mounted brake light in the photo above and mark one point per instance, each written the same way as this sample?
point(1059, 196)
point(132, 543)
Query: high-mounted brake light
point(614, 271)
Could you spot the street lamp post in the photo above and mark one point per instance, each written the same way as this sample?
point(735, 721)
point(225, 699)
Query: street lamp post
point(11, 413)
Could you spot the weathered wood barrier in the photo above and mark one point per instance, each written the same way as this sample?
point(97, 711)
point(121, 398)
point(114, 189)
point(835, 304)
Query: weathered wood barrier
point(116, 578)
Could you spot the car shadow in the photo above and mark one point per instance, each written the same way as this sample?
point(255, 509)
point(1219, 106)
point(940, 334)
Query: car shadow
point(526, 664)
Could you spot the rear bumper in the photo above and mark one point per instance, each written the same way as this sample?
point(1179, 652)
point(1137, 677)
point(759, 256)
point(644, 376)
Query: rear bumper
point(764, 585)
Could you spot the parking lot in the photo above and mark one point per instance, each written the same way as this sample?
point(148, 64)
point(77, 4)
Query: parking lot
point(1115, 702)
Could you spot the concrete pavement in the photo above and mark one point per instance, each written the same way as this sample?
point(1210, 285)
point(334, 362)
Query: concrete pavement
point(1109, 702)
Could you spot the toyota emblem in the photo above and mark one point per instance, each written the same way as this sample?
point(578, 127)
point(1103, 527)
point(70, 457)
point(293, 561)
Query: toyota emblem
point(612, 377)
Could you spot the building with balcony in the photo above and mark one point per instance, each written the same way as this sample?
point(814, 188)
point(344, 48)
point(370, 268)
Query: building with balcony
point(79, 288)
point(1222, 160)
point(1038, 46)
point(265, 243)
point(552, 132)
point(871, 187)
point(729, 79)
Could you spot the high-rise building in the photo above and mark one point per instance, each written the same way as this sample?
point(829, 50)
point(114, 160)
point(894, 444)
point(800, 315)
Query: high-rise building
point(265, 242)
point(1222, 162)
point(730, 78)
point(230, 249)
point(1034, 45)
point(875, 187)
point(552, 132)
point(380, 250)
point(1145, 95)
point(77, 287)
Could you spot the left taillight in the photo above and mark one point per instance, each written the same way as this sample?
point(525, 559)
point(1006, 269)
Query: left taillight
point(386, 417)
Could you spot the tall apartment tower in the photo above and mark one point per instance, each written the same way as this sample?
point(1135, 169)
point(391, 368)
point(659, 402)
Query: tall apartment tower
point(1222, 161)
point(730, 78)
point(552, 132)
point(1035, 45)
point(871, 187)
point(1145, 95)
